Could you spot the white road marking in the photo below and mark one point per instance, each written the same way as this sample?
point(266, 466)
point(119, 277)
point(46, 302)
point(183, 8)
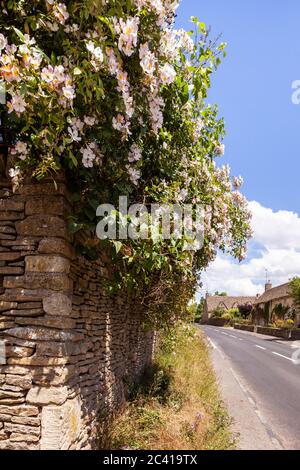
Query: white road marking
point(281, 355)
point(241, 339)
point(225, 334)
point(233, 336)
point(212, 343)
point(260, 347)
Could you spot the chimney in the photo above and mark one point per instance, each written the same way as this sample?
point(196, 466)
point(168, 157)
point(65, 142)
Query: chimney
point(268, 286)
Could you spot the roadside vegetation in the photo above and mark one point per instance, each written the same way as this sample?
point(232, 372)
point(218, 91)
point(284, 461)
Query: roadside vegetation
point(178, 406)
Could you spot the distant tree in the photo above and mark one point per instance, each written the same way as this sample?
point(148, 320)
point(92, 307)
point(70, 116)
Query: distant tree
point(245, 310)
point(221, 294)
point(281, 312)
point(192, 311)
point(200, 310)
point(218, 312)
point(294, 288)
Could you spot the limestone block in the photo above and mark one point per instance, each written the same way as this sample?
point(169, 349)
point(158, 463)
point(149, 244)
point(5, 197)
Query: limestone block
point(30, 312)
point(47, 395)
point(23, 410)
point(21, 437)
point(18, 351)
point(23, 382)
point(60, 425)
point(42, 226)
point(15, 370)
point(11, 401)
point(6, 324)
point(46, 264)
point(10, 215)
point(55, 281)
point(21, 428)
point(9, 256)
point(44, 334)
point(43, 188)
point(25, 420)
point(7, 305)
point(8, 445)
point(54, 375)
point(55, 205)
point(11, 270)
point(25, 295)
point(7, 229)
point(57, 304)
point(38, 361)
point(29, 305)
point(55, 349)
point(51, 322)
point(11, 205)
point(56, 246)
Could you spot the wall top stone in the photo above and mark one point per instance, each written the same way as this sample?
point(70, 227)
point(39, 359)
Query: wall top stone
point(47, 395)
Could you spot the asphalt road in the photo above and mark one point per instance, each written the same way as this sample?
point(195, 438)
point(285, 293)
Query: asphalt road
point(267, 374)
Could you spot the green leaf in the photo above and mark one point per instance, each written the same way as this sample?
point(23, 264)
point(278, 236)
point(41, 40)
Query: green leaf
point(118, 245)
point(19, 34)
point(104, 20)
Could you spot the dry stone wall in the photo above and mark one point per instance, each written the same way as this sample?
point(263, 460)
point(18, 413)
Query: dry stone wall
point(70, 349)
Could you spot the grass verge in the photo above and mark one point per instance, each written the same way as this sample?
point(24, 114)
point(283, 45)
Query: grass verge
point(178, 406)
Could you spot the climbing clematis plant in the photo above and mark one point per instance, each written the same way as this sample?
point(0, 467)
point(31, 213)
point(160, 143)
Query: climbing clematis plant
point(112, 94)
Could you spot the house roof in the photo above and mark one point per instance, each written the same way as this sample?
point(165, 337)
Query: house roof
point(227, 302)
point(274, 293)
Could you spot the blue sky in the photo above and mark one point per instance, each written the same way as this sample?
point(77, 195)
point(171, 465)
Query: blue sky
point(253, 89)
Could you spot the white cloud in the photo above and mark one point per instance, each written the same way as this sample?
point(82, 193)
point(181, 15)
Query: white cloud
point(275, 246)
point(278, 230)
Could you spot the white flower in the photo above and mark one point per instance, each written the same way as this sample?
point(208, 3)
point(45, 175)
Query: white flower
point(90, 46)
point(148, 59)
point(21, 149)
point(60, 12)
point(13, 172)
point(3, 42)
point(183, 194)
point(199, 125)
point(120, 124)
point(16, 104)
point(74, 134)
point(69, 92)
point(220, 149)
point(47, 74)
point(90, 120)
point(134, 174)
point(238, 181)
point(167, 74)
point(76, 123)
point(135, 153)
point(112, 61)
point(128, 37)
point(54, 75)
point(29, 41)
point(88, 156)
point(97, 54)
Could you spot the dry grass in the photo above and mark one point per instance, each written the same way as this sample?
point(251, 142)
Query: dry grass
point(179, 408)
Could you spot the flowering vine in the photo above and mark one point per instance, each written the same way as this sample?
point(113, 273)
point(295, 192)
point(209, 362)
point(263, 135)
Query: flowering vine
point(110, 92)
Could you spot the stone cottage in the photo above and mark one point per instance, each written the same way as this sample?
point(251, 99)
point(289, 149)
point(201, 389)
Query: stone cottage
point(273, 297)
point(212, 302)
point(263, 305)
